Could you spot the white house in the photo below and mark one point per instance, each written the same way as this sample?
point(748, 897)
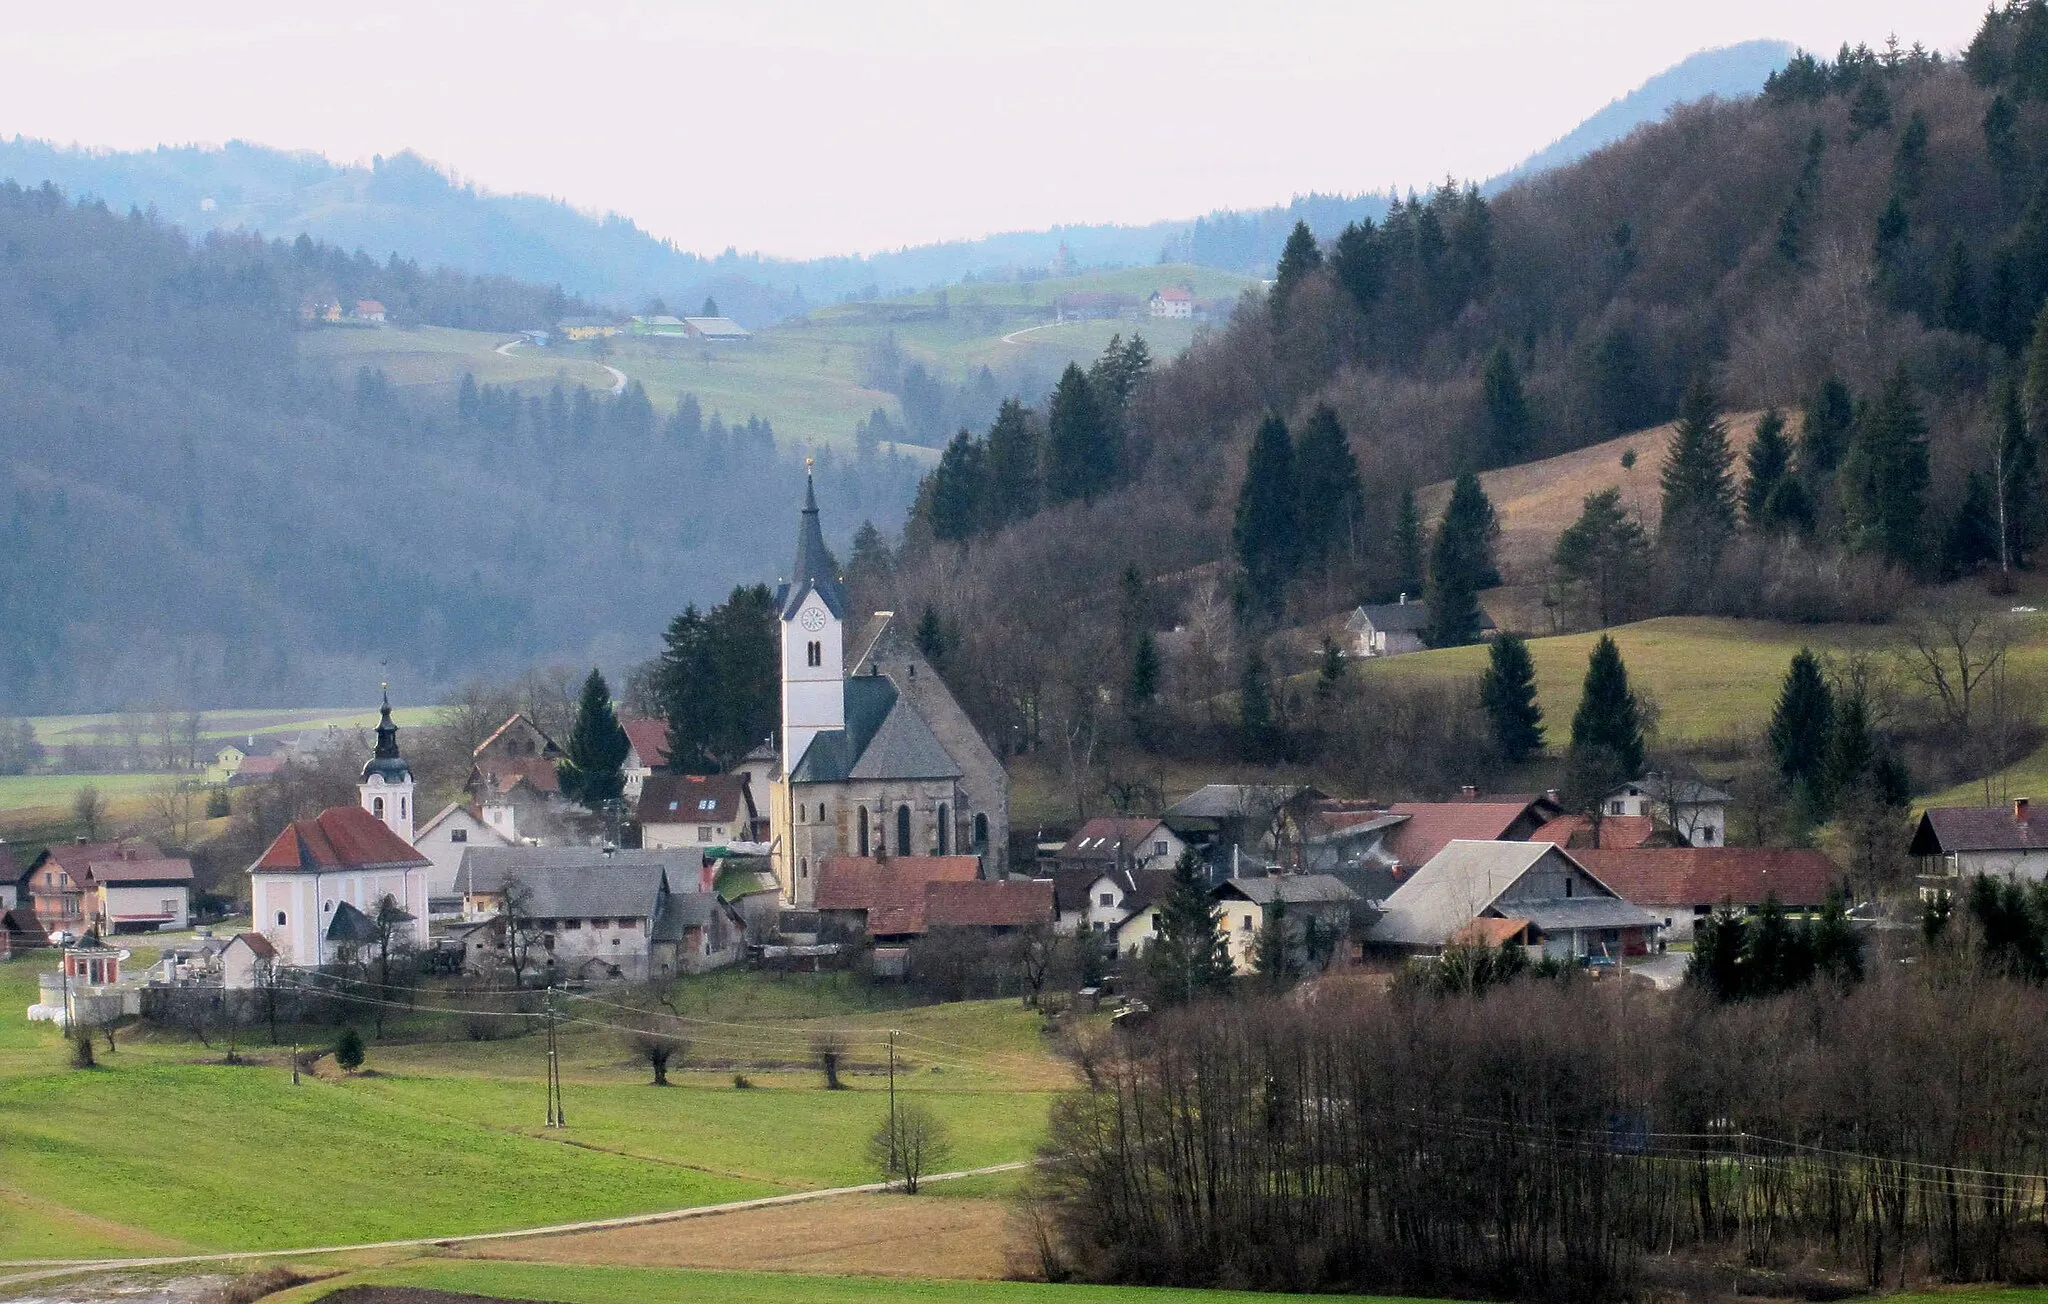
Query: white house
point(1695, 813)
point(1962, 842)
point(1533, 892)
point(151, 895)
point(646, 752)
point(443, 839)
point(320, 876)
point(695, 811)
point(246, 961)
point(1173, 302)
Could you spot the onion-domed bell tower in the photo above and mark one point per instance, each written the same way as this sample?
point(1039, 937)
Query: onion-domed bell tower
point(387, 785)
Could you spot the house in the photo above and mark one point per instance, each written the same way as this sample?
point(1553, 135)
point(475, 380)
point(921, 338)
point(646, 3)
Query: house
point(1564, 911)
point(646, 752)
point(1101, 898)
point(586, 328)
point(370, 311)
point(878, 758)
point(136, 895)
point(1408, 834)
point(715, 328)
point(1694, 812)
point(703, 930)
point(695, 812)
point(658, 324)
point(1245, 905)
point(1577, 830)
point(884, 896)
point(580, 913)
point(1240, 828)
point(443, 839)
point(229, 758)
point(55, 883)
point(1171, 303)
point(258, 769)
point(1121, 842)
point(21, 932)
point(1388, 629)
point(247, 961)
point(352, 856)
point(1683, 885)
point(514, 782)
point(1962, 842)
point(11, 875)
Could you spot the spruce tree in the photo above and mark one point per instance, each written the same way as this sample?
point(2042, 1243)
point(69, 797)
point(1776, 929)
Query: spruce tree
point(597, 748)
point(2016, 471)
point(1461, 564)
point(1695, 478)
point(1789, 508)
point(1957, 310)
point(958, 489)
point(1143, 689)
point(1329, 496)
point(1011, 464)
point(1298, 260)
point(1508, 692)
point(1330, 673)
point(1802, 728)
point(1607, 720)
point(1265, 533)
point(1768, 462)
point(1602, 554)
point(1853, 752)
point(1255, 707)
point(1508, 420)
point(1358, 261)
point(1972, 538)
point(931, 636)
point(1188, 959)
point(1884, 477)
point(1408, 545)
point(1824, 432)
point(1080, 460)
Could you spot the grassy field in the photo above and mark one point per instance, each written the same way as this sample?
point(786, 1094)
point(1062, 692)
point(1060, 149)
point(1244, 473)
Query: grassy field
point(57, 730)
point(612, 1285)
point(805, 377)
point(166, 1147)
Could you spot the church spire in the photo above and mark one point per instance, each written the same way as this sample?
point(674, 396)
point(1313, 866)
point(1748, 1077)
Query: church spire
point(386, 760)
point(815, 567)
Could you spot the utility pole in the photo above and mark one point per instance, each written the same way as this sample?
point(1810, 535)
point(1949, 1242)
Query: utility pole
point(892, 1100)
point(554, 1085)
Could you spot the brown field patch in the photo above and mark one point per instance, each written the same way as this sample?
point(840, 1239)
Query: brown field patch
point(1537, 501)
point(860, 1235)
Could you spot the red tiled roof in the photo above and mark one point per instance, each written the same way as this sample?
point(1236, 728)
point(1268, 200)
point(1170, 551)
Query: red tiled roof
point(505, 773)
point(1434, 825)
point(857, 882)
point(1707, 876)
point(679, 798)
point(255, 767)
point(649, 738)
point(257, 943)
point(162, 870)
point(1177, 295)
point(986, 903)
point(340, 837)
point(1489, 932)
point(1616, 831)
point(74, 858)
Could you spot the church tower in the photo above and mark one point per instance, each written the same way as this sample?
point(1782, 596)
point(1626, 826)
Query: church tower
point(813, 610)
point(386, 789)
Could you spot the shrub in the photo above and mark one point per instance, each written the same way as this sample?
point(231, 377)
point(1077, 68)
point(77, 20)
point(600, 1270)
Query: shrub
point(348, 1050)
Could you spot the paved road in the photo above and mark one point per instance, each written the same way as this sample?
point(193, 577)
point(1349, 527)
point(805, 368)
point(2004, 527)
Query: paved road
point(618, 377)
point(1011, 338)
point(47, 1268)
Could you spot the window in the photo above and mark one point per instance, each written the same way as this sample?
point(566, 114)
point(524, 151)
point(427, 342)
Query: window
point(1106, 899)
point(814, 653)
point(903, 830)
point(980, 830)
point(1247, 923)
point(1159, 848)
point(703, 833)
point(170, 907)
point(1614, 807)
point(280, 919)
point(377, 807)
point(707, 803)
point(863, 830)
point(1567, 887)
point(600, 923)
point(401, 808)
point(458, 835)
point(571, 925)
point(803, 869)
point(945, 834)
point(326, 906)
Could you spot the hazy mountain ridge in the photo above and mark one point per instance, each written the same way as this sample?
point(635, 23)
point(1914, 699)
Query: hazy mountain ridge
point(405, 204)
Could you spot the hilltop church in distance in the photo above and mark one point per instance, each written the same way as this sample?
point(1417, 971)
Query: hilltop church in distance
point(877, 758)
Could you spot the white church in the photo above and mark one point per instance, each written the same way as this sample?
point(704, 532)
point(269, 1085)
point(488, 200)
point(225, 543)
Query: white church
point(877, 759)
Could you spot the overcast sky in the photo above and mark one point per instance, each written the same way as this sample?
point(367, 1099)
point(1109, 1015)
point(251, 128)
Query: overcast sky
point(806, 128)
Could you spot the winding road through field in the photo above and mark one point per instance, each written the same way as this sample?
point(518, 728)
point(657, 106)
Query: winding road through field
point(44, 1269)
point(618, 377)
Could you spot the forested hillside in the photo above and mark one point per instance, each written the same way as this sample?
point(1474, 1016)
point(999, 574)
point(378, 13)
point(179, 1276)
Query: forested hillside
point(1863, 247)
point(189, 515)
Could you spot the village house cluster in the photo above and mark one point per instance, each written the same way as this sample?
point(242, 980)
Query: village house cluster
point(878, 815)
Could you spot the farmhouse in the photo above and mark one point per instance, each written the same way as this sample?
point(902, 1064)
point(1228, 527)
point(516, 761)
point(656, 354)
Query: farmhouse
point(1684, 885)
point(1171, 303)
point(877, 756)
point(1553, 903)
point(657, 325)
point(369, 311)
point(586, 328)
point(514, 783)
point(1239, 827)
point(127, 895)
point(1959, 842)
point(21, 932)
point(443, 840)
point(1120, 842)
point(55, 883)
point(1390, 629)
point(1577, 830)
point(695, 812)
point(580, 913)
point(1696, 814)
point(646, 751)
point(1409, 834)
point(1246, 905)
point(715, 328)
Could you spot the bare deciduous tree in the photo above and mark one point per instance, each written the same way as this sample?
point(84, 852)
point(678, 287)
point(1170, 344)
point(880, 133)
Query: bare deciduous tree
point(909, 1144)
point(1949, 652)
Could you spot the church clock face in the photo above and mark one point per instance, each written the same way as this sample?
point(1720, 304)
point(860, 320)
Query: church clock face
point(813, 619)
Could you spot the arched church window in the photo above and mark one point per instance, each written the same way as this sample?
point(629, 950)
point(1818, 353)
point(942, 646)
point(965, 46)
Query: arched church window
point(903, 830)
point(945, 833)
point(377, 807)
point(280, 919)
point(401, 808)
point(863, 830)
point(980, 830)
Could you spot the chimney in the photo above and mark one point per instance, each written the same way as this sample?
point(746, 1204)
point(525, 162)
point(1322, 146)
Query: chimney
point(1550, 795)
point(1469, 792)
point(1404, 599)
point(2019, 810)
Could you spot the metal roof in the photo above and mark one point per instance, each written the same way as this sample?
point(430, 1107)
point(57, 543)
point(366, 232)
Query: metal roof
point(1303, 889)
point(1454, 888)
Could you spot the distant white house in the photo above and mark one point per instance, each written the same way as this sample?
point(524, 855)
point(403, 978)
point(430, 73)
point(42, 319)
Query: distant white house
point(1171, 303)
point(1389, 629)
point(1695, 813)
point(443, 839)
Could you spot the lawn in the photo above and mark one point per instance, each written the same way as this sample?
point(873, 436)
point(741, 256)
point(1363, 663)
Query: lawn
point(165, 1148)
point(588, 1285)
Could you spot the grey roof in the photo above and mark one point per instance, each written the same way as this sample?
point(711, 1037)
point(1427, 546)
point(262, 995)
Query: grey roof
point(351, 925)
point(717, 328)
point(1945, 830)
point(1454, 888)
point(1362, 829)
point(688, 910)
point(1224, 801)
point(577, 882)
point(1557, 916)
point(1686, 792)
point(884, 738)
point(1304, 889)
point(815, 567)
point(1400, 617)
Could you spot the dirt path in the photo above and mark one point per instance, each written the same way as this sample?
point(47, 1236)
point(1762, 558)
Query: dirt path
point(42, 1269)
